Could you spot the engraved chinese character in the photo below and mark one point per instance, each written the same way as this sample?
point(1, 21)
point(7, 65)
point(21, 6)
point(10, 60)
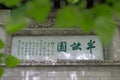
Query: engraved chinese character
point(61, 47)
point(76, 46)
point(90, 45)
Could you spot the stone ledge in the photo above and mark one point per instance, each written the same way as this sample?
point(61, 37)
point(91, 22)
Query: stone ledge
point(70, 63)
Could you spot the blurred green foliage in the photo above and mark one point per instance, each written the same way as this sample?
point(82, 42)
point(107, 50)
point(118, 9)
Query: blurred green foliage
point(12, 23)
point(1, 44)
point(38, 9)
point(1, 71)
point(98, 19)
point(10, 2)
point(67, 17)
point(105, 28)
point(11, 61)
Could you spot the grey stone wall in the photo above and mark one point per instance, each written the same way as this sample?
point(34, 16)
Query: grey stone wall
point(63, 73)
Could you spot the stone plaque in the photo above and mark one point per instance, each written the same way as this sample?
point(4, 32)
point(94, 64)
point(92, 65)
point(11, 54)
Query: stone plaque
point(57, 47)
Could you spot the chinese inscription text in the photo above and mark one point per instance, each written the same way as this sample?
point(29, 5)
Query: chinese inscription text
point(76, 46)
point(90, 45)
point(61, 47)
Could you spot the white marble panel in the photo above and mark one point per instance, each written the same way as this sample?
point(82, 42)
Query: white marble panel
point(57, 47)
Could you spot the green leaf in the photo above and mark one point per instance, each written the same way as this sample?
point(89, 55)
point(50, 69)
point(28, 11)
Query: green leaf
point(11, 61)
point(13, 26)
point(1, 1)
point(105, 28)
point(39, 9)
point(17, 20)
point(86, 21)
point(1, 44)
point(102, 10)
point(11, 2)
point(67, 17)
point(1, 55)
point(1, 71)
point(19, 12)
point(117, 9)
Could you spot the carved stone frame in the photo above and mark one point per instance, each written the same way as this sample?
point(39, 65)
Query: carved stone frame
point(54, 32)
